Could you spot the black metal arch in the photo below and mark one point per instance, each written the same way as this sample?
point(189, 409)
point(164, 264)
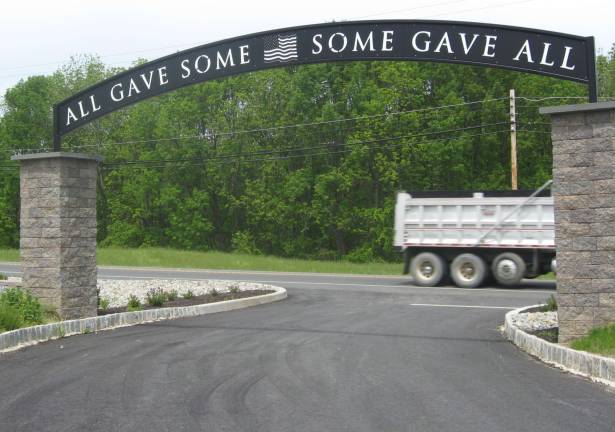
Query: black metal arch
point(547, 53)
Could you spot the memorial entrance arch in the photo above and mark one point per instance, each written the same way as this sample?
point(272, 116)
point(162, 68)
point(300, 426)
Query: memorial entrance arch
point(58, 190)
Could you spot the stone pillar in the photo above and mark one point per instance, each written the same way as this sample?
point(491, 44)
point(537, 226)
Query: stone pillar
point(58, 230)
point(584, 193)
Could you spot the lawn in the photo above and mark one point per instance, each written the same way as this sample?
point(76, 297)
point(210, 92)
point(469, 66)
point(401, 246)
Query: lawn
point(9, 255)
point(161, 257)
point(600, 340)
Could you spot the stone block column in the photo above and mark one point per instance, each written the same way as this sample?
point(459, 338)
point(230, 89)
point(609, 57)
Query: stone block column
point(58, 230)
point(584, 193)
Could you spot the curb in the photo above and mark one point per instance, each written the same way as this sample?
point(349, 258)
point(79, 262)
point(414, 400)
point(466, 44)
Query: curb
point(592, 366)
point(16, 339)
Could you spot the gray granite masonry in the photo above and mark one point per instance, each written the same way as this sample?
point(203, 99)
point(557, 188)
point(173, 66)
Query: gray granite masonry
point(593, 366)
point(58, 230)
point(584, 193)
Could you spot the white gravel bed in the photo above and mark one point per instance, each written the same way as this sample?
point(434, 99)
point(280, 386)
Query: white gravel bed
point(118, 291)
point(533, 321)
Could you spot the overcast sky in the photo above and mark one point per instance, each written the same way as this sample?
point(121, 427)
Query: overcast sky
point(38, 36)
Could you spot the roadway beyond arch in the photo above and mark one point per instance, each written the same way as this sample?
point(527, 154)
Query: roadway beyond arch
point(553, 54)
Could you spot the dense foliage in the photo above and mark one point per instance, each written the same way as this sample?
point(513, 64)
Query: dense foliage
point(19, 308)
point(297, 161)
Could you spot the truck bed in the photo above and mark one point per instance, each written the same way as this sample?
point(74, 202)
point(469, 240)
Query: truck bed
point(477, 221)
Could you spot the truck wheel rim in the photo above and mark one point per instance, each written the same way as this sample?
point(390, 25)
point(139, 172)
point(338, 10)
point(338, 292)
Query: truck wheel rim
point(467, 270)
point(427, 269)
point(506, 268)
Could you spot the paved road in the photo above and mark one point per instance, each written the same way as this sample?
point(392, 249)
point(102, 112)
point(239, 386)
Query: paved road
point(341, 353)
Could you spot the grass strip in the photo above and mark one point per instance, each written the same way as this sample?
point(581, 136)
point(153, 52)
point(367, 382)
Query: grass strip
point(600, 340)
point(163, 257)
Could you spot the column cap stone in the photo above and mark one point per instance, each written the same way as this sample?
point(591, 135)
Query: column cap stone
point(56, 155)
point(578, 108)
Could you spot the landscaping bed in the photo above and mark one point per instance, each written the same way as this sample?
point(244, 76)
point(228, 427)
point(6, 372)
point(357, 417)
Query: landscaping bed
point(536, 333)
point(19, 309)
point(196, 300)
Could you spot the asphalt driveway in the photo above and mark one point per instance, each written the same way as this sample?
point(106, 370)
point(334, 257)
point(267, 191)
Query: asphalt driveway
point(341, 353)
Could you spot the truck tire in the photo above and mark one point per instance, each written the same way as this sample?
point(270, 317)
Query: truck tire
point(468, 270)
point(427, 269)
point(508, 268)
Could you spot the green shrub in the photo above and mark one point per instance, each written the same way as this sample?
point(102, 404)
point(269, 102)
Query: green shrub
point(362, 254)
point(172, 295)
point(3, 276)
point(134, 304)
point(103, 304)
point(214, 292)
point(10, 318)
point(156, 297)
point(29, 308)
point(233, 289)
point(243, 242)
point(188, 295)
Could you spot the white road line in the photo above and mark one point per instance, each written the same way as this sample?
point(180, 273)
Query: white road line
point(273, 282)
point(257, 272)
point(464, 306)
point(282, 282)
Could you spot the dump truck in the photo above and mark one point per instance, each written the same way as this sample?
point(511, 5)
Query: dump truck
point(476, 238)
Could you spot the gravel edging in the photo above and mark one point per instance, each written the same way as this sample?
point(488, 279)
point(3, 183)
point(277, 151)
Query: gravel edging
point(16, 339)
point(592, 366)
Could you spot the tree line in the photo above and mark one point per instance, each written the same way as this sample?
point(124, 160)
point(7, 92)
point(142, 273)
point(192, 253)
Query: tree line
point(297, 161)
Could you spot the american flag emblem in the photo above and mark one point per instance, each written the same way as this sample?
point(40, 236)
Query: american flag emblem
point(280, 48)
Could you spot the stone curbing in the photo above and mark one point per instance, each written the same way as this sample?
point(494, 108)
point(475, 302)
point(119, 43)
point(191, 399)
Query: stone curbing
point(593, 366)
point(16, 339)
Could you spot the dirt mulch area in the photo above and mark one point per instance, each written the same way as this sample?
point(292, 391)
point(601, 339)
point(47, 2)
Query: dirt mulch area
point(196, 300)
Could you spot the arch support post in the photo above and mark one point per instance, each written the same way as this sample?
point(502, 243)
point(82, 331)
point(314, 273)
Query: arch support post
point(58, 230)
point(584, 195)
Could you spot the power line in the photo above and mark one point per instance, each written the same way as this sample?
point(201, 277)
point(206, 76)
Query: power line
point(227, 162)
point(295, 125)
point(327, 144)
point(541, 99)
point(270, 152)
point(534, 131)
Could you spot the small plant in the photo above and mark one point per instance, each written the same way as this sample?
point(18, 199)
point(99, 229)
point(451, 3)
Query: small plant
point(172, 295)
point(134, 304)
point(188, 295)
point(214, 292)
point(87, 330)
point(156, 297)
point(3, 276)
point(50, 313)
point(233, 289)
point(29, 308)
point(10, 319)
point(103, 304)
point(60, 332)
point(551, 305)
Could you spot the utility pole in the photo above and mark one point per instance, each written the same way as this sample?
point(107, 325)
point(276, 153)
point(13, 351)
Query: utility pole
point(513, 140)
